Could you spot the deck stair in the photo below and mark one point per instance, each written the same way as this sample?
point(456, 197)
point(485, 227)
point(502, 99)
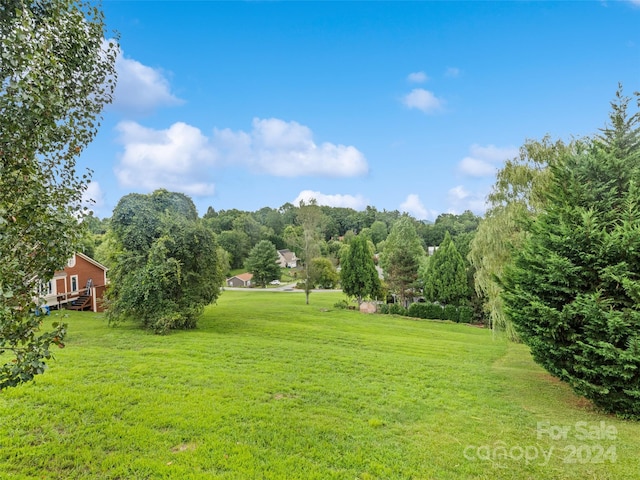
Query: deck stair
point(83, 302)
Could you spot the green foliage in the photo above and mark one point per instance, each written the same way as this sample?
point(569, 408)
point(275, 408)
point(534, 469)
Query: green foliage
point(573, 291)
point(324, 274)
point(516, 197)
point(445, 279)
point(341, 305)
point(166, 268)
point(379, 232)
point(56, 74)
point(306, 239)
point(433, 234)
point(465, 314)
point(236, 244)
point(358, 274)
point(401, 257)
point(450, 312)
point(397, 309)
point(434, 311)
point(426, 310)
point(263, 263)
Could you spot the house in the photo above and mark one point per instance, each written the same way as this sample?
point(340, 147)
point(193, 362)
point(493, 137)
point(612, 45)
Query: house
point(287, 259)
point(79, 286)
point(240, 280)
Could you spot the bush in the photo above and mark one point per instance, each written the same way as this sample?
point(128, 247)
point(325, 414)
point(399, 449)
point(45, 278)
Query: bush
point(451, 313)
point(431, 311)
point(465, 314)
point(342, 304)
point(418, 310)
point(434, 311)
point(384, 308)
point(397, 309)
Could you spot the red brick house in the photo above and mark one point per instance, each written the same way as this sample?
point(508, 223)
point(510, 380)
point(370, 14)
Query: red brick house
point(79, 286)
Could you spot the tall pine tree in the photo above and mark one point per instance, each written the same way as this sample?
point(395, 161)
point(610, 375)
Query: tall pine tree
point(446, 277)
point(358, 274)
point(573, 291)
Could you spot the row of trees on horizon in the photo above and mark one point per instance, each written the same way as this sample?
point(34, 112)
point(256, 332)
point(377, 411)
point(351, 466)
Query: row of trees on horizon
point(141, 223)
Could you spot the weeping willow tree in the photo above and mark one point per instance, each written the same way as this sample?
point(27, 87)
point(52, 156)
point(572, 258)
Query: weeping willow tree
point(514, 200)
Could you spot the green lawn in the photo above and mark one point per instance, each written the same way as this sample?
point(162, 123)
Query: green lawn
point(269, 387)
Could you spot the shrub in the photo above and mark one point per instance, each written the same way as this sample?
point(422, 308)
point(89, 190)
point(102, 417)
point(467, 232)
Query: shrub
point(397, 309)
point(418, 310)
point(342, 304)
point(465, 314)
point(434, 311)
point(451, 313)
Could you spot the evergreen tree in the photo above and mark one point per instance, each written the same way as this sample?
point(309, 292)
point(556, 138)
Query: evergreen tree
point(358, 274)
point(401, 257)
point(263, 263)
point(446, 277)
point(402, 274)
point(573, 291)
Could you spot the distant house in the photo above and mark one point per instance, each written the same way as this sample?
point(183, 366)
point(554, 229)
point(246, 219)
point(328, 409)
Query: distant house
point(287, 259)
point(79, 286)
point(240, 280)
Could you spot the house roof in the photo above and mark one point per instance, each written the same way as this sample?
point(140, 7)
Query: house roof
point(62, 273)
point(91, 260)
point(287, 254)
point(243, 276)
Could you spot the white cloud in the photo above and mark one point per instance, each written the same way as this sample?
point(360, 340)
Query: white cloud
point(423, 100)
point(93, 196)
point(140, 89)
point(287, 149)
point(461, 199)
point(178, 158)
point(414, 206)
point(485, 161)
point(417, 77)
point(357, 202)
point(474, 167)
point(181, 157)
point(452, 72)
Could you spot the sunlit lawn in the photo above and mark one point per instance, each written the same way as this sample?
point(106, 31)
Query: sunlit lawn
point(268, 387)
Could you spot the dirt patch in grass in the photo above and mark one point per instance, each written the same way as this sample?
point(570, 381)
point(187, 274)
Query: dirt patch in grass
point(184, 447)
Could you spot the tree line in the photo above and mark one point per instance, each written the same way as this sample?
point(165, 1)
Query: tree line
point(396, 242)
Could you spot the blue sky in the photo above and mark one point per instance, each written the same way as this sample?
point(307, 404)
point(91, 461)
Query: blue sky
point(410, 106)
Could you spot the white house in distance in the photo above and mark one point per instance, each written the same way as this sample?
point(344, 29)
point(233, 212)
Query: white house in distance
point(287, 259)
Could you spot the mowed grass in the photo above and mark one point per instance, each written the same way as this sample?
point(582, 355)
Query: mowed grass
point(270, 388)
